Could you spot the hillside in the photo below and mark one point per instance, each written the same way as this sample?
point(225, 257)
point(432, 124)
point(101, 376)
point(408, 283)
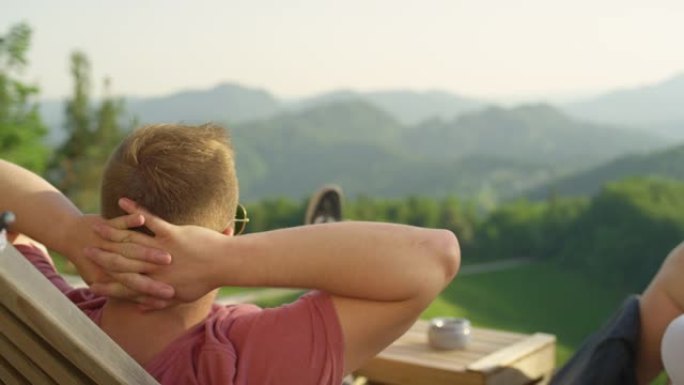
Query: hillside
point(655, 108)
point(531, 133)
point(408, 107)
point(234, 103)
point(225, 102)
point(493, 154)
point(667, 163)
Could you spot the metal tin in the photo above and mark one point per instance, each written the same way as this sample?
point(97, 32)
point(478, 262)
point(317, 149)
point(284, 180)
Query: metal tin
point(448, 333)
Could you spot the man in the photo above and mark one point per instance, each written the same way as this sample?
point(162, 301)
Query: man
point(370, 281)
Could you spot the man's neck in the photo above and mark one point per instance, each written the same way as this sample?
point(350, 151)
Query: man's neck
point(131, 327)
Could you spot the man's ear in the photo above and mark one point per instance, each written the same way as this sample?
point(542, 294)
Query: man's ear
point(229, 231)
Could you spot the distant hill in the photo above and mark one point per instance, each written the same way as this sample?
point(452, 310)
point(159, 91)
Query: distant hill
point(52, 113)
point(530, 133)
point(665, 163)
point(352, 121)
point(293, 152)
point(361, 147)
point(496, 152)
point(233, 103)
point(227, 102)
point(408, 107)
point(360, 140)
point(656, 108)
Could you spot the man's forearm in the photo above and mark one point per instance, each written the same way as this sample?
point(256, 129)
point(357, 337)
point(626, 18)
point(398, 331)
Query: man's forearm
point(376, 261)
point(43, 213)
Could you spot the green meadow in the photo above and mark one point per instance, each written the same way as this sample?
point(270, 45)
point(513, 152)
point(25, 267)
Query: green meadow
point(539, 297)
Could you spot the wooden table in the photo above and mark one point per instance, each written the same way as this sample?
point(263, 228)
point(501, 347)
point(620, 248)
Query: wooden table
point(493, 357)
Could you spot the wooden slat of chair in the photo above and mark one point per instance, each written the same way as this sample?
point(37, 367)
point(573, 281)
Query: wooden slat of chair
point(33, 300)
point(9, 375)
point(22, 363)
point(42, 354)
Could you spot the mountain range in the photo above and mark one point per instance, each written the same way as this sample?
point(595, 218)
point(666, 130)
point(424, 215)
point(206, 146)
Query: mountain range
point(655, 108)
point(668, 163)
point(397, 143)
point(496, 153)
point(233, 103)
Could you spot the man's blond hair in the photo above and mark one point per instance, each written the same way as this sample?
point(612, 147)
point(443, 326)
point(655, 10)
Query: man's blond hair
point(183, 174)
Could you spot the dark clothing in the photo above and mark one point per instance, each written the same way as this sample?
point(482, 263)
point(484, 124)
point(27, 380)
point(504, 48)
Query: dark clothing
point(608, 357)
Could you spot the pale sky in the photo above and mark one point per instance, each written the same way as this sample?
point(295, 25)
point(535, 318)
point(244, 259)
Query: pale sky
point(484, 48)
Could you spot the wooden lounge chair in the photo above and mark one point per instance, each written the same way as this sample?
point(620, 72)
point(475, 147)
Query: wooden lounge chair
point(46, 339)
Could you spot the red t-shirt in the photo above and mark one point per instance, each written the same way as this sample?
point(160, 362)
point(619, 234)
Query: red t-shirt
point(300, 343)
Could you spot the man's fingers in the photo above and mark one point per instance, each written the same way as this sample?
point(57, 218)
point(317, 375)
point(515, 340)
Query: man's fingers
point(115, 263)
point(130, 206)
point(145, 285)
point(157, 225)
point(114, 290)
point(132, 244)
point(140, 253)
point(115, 235)
point(126, 222)
point(149, 303)
point(117, 290)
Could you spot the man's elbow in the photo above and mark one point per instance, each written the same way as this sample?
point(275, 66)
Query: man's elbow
point(444, 256)
point(449, 252)
point(443, 259)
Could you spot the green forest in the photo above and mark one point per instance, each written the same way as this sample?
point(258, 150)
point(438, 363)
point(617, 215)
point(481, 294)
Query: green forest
point(617, 237)
point(602, 221)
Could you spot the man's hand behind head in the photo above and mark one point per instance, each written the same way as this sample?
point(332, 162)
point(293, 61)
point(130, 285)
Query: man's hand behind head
point(127, 284)
point(190, 246)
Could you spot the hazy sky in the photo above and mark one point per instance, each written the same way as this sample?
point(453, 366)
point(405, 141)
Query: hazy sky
point(488, 48)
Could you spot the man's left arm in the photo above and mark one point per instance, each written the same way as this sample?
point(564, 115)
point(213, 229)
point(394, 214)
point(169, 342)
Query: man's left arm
point(46, 215)
point(42, 212)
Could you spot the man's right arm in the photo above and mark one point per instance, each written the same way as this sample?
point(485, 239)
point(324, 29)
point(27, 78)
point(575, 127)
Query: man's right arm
point(381, 276)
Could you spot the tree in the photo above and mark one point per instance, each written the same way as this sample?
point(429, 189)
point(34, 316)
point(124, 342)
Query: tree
point(78, 111)
point(109, 131)
point(623, 236)
point(21, 128)
point(459, 218)
point(92, 134)
point(513, 230)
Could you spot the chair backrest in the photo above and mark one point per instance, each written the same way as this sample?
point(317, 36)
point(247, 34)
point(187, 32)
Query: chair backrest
point(46, 339)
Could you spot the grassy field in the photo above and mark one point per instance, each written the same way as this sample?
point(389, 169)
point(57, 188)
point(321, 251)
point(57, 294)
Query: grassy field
point(538, 297)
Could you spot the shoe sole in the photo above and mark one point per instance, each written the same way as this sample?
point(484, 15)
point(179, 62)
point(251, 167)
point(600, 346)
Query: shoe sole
point(317, 198)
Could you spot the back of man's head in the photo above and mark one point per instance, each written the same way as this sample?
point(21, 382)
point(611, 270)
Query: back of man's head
point(183, 174)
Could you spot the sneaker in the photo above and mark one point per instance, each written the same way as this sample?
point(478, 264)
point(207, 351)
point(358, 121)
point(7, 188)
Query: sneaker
point(324, 206)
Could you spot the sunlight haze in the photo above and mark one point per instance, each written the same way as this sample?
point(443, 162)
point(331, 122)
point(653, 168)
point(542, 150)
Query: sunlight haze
point(485, 48)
